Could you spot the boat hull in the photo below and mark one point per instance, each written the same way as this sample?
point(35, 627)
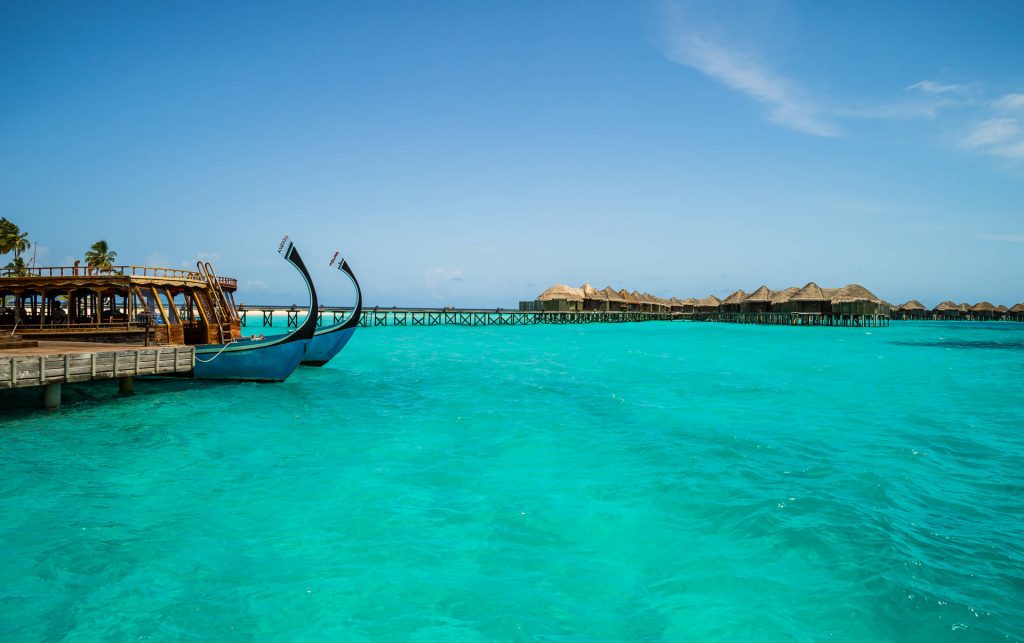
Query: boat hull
point(249, 361)
point(325, 346)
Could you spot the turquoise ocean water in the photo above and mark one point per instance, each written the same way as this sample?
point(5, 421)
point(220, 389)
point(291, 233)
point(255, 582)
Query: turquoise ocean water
point(636, 482)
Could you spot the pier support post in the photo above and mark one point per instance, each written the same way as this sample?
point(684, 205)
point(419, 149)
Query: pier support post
point(51, 395)
point(126, 386)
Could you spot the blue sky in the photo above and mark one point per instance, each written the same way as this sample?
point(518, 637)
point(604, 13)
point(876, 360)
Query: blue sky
point(471, 154)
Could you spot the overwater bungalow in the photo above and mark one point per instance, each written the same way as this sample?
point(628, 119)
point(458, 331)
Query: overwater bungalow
point(593, 299)
point(707, 306)
point(689, 305)
point(616, 302)
point(856, 301)
point(809, 300)
point(759, 301)
point(780, 298)
point(732, 303)
point(632, 303)
point(561, 298)
point(912, 309)
point(947, 311)
point(1002, 312)
point(1016, 312)
point(982, 311)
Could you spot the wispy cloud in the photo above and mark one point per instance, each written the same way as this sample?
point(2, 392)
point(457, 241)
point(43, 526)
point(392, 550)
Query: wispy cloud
point(932, 87)
point(1010, 102)
point(997, 136)
point(1012, 237)
point(746, 73)
point(436, 276)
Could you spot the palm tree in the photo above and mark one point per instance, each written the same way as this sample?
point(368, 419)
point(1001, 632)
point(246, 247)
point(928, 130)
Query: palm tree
point(17, 268)
point(12, 239)
point(100, 257)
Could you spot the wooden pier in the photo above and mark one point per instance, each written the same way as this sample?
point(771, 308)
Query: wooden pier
point(795, 319)
point(265, 315)
point(52, 364)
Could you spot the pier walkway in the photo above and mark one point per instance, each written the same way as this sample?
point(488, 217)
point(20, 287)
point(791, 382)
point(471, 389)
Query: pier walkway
point(52, 364)
point(269, 315)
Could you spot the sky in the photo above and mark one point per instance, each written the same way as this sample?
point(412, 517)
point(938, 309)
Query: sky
point(474, 153)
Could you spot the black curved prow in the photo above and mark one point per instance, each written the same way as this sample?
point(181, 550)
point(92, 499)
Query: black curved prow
point(308, 327)
point(357, 311)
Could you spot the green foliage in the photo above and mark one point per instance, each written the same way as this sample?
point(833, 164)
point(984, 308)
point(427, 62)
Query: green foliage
point(17, 267)
point(100, 257)
point(12, 239)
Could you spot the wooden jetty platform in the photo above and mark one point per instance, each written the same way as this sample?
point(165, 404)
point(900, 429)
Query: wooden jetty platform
point(267, 315)
point(51, 364)
point(795, 319)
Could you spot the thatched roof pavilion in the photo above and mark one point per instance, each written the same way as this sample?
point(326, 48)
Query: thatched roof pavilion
point(593, 299)
point(759, 301)
point(561, 291)
point(912, 309)
point(809, 299)
point(732, 303)
point(561, 298)
point(709, 304)
point(783, 296)
point(854, 293)
point(854, 299)
point(946, 310)
point(983, 310)
point(811, 292)
point(611, 295)
point(1017, 308)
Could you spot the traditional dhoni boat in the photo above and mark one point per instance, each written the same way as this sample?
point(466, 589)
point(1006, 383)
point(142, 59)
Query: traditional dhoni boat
point(329, 340)
point(270, 359)
point(153, 306)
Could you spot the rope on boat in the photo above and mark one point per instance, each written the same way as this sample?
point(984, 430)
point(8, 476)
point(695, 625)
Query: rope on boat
point(207, 361)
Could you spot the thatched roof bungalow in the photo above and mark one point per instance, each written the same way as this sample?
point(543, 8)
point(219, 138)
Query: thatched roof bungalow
point(614, 299)
point(983, 311)
point(632, 303)
point(561, 298)
point(913, 309)
point(946, 310)
point(709, 304)
point(1016, 312)
point(854, 299)
point(732, 303)
point(808, 300)
point(759, 301)
point(690, 305)
point(593, 299)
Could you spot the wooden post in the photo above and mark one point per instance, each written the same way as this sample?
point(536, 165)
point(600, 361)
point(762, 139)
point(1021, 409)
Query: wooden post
point(51, 395)
point(126, 386)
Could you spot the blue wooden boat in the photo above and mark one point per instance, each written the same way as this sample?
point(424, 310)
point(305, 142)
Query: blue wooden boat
point(265, 360)
point(329, 340)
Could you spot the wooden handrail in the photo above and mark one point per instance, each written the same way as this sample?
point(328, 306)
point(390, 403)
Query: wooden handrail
point(126, 271)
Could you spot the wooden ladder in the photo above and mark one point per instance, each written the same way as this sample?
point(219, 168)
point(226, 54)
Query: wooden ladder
point(222, 311)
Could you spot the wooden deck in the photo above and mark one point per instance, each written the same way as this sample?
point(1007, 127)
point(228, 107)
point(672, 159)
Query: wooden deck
point(51, 364)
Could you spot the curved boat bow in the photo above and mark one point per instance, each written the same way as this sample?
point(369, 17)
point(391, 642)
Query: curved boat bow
point(328, 341)
point(266, 360)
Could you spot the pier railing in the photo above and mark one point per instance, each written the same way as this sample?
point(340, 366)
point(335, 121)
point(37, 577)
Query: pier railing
point(372, 317)
point(114, 271)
